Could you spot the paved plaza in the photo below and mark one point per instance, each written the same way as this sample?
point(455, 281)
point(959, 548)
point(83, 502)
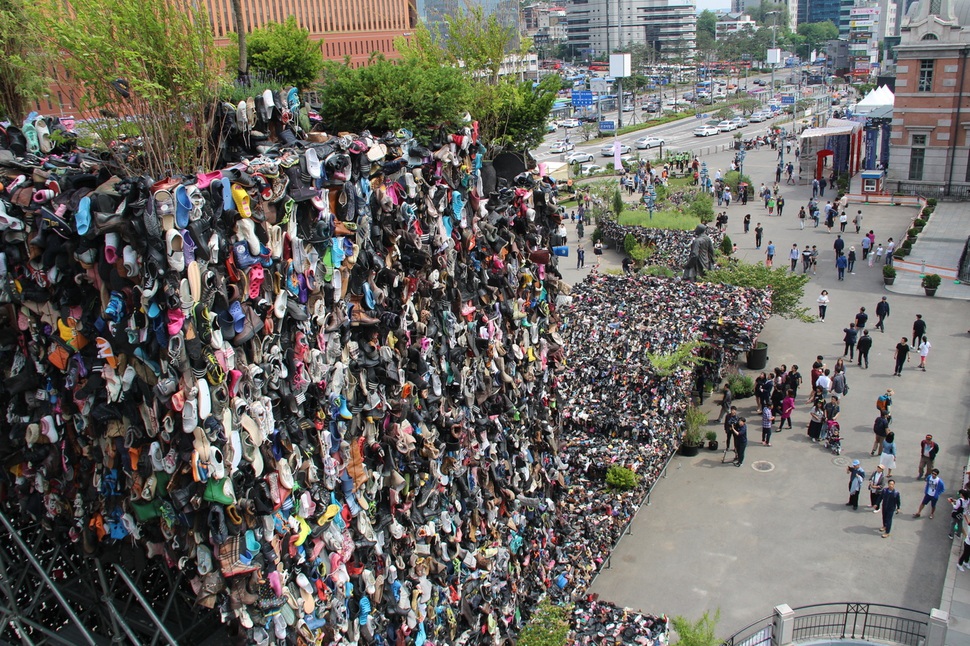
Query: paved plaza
point(777, 530)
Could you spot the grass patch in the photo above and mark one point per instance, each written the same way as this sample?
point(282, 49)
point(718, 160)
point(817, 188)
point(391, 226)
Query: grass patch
point(660, 220)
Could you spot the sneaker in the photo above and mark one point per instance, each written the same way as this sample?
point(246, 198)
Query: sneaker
point(961, 568)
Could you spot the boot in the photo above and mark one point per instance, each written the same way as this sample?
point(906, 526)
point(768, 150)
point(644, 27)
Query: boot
point(358, 316)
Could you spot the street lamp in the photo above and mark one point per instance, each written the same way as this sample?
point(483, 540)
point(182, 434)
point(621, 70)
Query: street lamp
point(741, 154)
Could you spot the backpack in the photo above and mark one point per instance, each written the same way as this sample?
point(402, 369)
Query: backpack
point(882, 403)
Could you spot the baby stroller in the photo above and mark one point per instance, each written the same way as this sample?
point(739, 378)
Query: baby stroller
point(834, 439)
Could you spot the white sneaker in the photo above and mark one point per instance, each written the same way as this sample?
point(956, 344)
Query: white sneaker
point(961, 568)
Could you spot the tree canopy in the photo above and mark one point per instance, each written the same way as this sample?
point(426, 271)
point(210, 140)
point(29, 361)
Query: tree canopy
point(283, 52)
point(23, 61)
point(815, 34)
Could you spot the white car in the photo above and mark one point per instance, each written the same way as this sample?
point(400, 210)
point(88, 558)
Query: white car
point(758, 117)
point(648, 142)
point(607, 151)
point(706, 131)
point(740, 122)
point(562, 147)
point(590, 169)
point(579, 158)
point(628, 107)
point(726, 126)
point(570, 123)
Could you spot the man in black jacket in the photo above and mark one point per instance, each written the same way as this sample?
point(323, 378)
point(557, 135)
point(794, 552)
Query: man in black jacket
point(882, 311)
point(850, 338)
point(863, 346)
point(919, 330)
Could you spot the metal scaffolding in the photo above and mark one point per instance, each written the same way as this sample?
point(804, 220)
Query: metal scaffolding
point(51, 593)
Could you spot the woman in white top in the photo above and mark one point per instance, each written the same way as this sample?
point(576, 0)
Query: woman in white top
point(924, 350)
point(823, 304)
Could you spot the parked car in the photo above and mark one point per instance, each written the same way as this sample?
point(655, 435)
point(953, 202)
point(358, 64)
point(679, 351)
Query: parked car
point(628, 107)
point(740, 122)
point(589, 169)
point(648, 142)
point(706, 131)
point(726, 126)
point(607, 150)
point(758, 117)
point(651, 107)
point(551, 127)
point(562, 147)
point(569, 123)
point(579, 158)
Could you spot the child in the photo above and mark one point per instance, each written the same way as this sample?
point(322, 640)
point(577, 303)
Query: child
point(879, 251)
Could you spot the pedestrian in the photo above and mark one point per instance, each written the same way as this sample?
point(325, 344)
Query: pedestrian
point(927, 454)
point(890, 248)
point(770, 205)
point(866, 247)
point(880, 428)
point(876, 483)
point(806, 259)
point(841, 262)
point(767, 421)
point(888, 456)
point(879, 251)
point(780, 203)
point(793, 256)
point(778, 171)
point(770, 254)
point(793, 381)
point(931, 493)
point(814, 260)
point(823, 304)
point(816, 185)
point(840, 385)
point(747, 222)
point(961, 506)
point(727, 196)
point(850, 338)
point(758, 232)
point(821, 187)
point(891, 504)
point(843, 220)
point(861, 318)
point(817, 420)
point(730, 420)
point(787, 408)
point(924, 351)
point(740, 440)
point(919, 330)
point(802, 216)
point(580, 256)
point(857, 221)
point(726, 402)
point(850, 260)
point(882, 313)
point(884, 403)
point(838, 245)
point(863, 346)
point(856, 477)
point(901, 356)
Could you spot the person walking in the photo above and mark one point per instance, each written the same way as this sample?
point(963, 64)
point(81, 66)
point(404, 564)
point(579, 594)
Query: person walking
point(758, 232)
point(857, 221)
point(802, 216)
point(924, 351)
point(861, 318)
point(919, 330)
point(843, 220)
point(961, 506)
point(806, 259)
point(880, 429)
point(901, 356)
point(823, 304)
point(890, 505)
point(740, 440)
point(580, 256)
point(931, 493)
point(838, 245)
point(841, 263)
point(863, 346)
point(730, 420)
point(747, 222)
point(866, 248)
point(882, 313)
point(780, 203)
point(857, 476)
point(876, 483)
point(793, 256)
point(787, 408)
point(927, 455)
point(815, 187)
point(878, 255)
point(888, 456)
point(767, 422)
point(770, 205)
point(814, 260)
point(850, 338)
point(770, 254)
point(850, 258)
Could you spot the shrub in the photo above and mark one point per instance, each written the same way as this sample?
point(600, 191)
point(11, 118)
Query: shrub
point(694, 421)
point(903, 252)
point(741, 386)
point(919, 223)
point(697, 633)
point(727, 247)
point(658, 270)
point(621, 478)
point(596, 236)
point(907, 244)
point(888, 271)
point(931, 202)
point(734, 179)
point(702, 207)
point(912, 232)
point(932, 281)
point(711, 436)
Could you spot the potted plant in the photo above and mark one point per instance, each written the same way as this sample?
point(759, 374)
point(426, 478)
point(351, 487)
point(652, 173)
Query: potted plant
point(693, 438)
point(711, 440)
point(888, 274)
point(930, 284)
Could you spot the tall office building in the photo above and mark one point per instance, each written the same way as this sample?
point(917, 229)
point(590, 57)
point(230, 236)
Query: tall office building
point(596, 27)
point(793, 8)
point(820, 11)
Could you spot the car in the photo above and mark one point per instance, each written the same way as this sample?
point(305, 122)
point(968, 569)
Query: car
point(628, 107)
point(607, 150)
point(651, 107)
point(726, 126)
point(590, 169)
point(740, 122)
point(648, 142)
point(579, 158)
point(706, 131)
point(551, 127)
point(760, 82)
point(569, 123)
point(562, 147)
point(758, 117)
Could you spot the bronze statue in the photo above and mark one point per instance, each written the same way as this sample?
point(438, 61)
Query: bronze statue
point(701, 258)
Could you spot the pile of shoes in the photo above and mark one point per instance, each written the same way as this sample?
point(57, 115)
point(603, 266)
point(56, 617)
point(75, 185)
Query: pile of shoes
point(596, 622)
point(671, 247)
point(321, 381)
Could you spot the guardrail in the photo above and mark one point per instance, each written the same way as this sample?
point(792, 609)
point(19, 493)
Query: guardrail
point(879, 623)
point(963, 269)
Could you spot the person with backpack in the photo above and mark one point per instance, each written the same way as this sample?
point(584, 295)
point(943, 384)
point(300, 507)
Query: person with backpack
point(884, 404)
point(857, 476)
point(880, 428)
point(839, 385)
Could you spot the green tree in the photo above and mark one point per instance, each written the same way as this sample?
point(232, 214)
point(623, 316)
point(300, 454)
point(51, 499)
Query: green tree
point(285, 53)
point(697, 633)
point(512, 114)
point(724, 113)
point(816, 34)
point(481, 44)
point(787, 289)
point(707, 23)
point(153, 65)
point(616, 201)
point(388, 95)
point(747, 106)
point(23, 61)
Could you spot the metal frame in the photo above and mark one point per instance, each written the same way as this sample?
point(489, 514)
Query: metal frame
point(50, 593)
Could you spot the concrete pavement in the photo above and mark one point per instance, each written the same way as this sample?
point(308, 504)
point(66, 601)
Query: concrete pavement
point(937, 251)
point(744, 540)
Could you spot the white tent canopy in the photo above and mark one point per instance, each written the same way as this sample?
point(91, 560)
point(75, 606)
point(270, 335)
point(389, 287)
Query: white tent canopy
point(877, 104)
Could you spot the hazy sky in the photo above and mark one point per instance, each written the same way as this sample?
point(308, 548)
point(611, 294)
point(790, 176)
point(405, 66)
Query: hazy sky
point(712, 5)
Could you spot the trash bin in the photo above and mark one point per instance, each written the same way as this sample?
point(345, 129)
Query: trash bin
point(758, 356)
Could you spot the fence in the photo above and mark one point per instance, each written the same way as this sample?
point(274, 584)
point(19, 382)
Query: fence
point(963, 269)
point(938, 191)
point(846, 620)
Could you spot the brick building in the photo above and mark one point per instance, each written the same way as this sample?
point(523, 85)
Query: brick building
point(931, 120)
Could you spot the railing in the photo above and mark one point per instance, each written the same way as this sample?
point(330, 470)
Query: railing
point(879, 623)
point(963, 269)
point(939, 191)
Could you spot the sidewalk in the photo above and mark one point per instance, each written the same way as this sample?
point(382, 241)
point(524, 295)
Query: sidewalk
point(939, 246)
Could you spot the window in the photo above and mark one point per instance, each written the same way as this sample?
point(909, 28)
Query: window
point(919, 140)
point(925, 76)
point(916, 158)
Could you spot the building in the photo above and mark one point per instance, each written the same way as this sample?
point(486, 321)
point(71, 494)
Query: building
point(732, 23)
point(544, 23)
point(597, 27)
point(820, 11)
point(862, 30)
point(793, 9)
point(506, 11)
point(931, 119)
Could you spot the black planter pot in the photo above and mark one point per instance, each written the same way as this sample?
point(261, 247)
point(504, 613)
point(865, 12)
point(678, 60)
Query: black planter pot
point(689, 450)
point(888, 281)
point(712, 445)
point(930, 291)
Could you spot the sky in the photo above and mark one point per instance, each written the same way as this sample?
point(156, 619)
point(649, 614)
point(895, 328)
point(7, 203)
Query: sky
point(712, 5)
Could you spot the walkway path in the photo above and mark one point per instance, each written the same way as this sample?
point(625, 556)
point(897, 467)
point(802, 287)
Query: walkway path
point(939, 246)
